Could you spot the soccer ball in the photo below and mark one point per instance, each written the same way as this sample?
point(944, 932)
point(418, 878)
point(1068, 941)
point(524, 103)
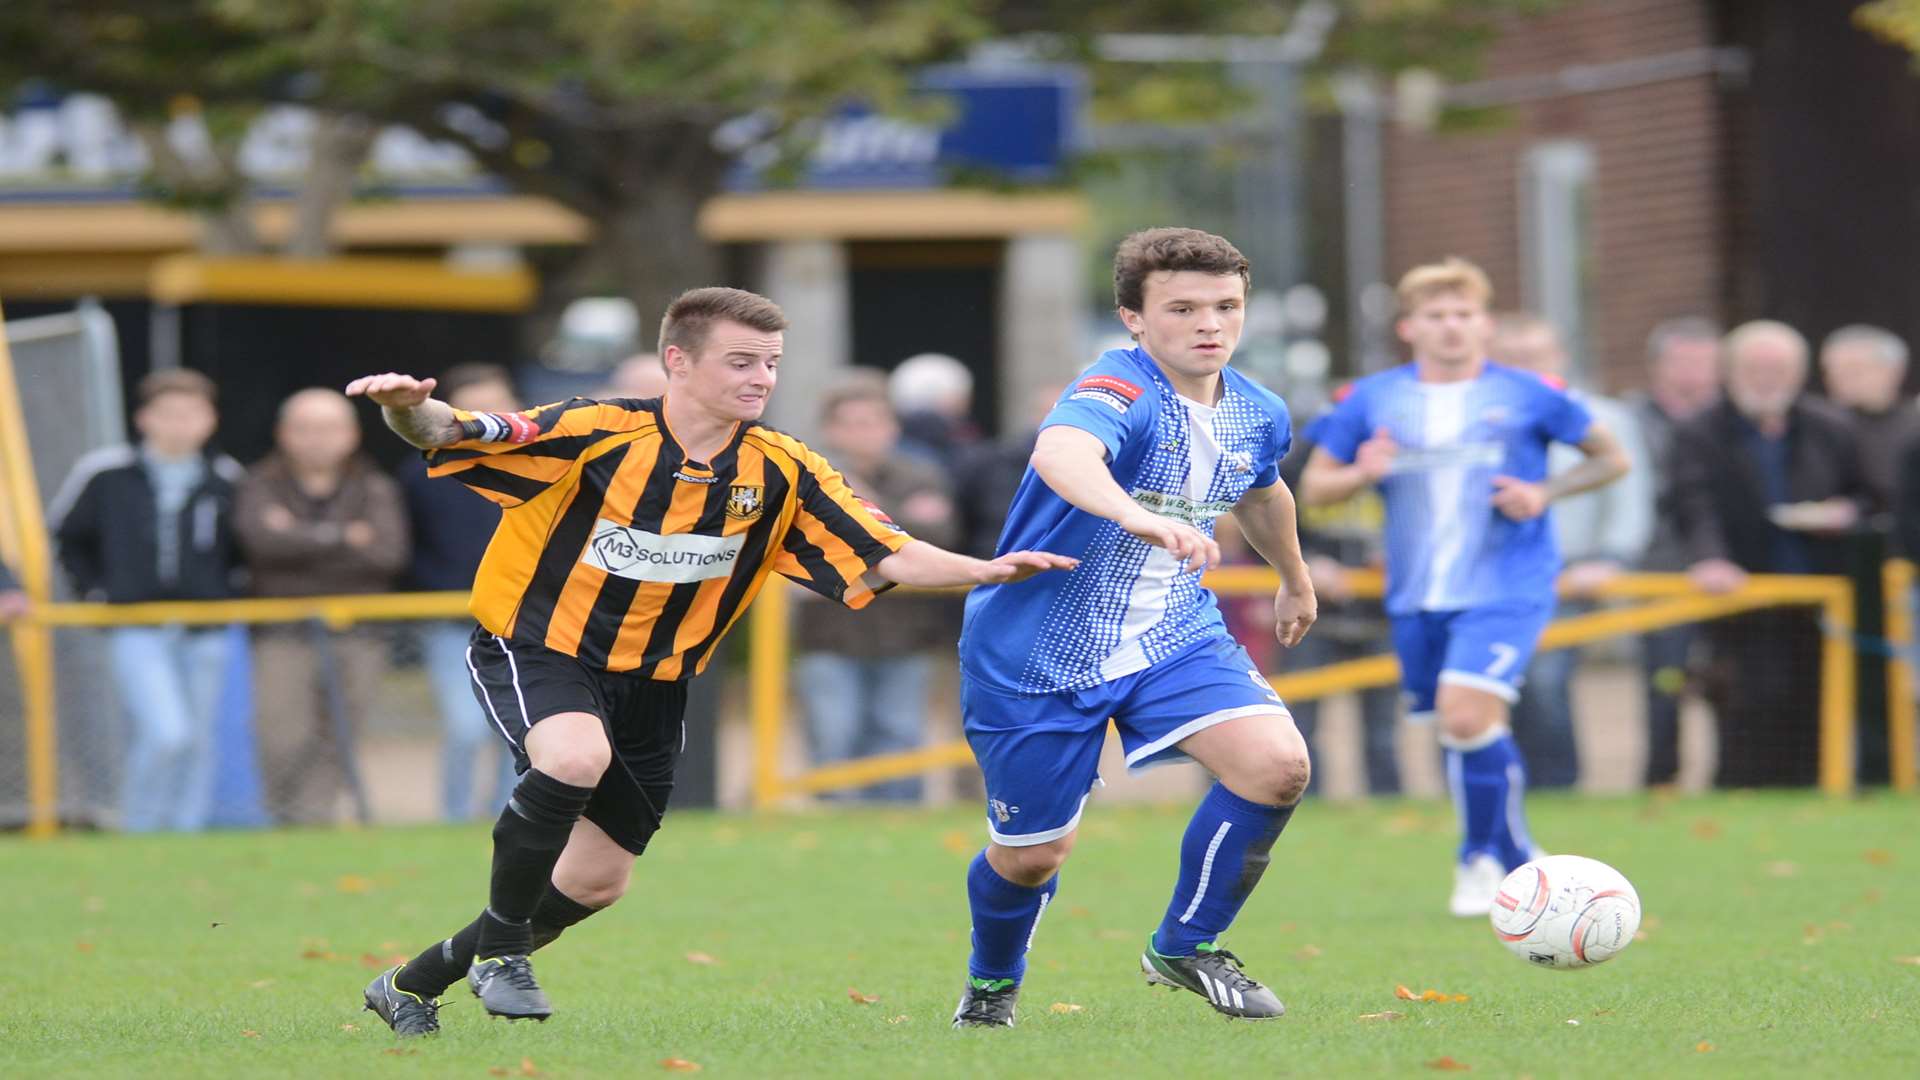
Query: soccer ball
point(1566, 911)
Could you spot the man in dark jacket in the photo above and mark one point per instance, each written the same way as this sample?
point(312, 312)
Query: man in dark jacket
point(1766, 482)
point(451, 527)
point(316, 518)
point(153, 522)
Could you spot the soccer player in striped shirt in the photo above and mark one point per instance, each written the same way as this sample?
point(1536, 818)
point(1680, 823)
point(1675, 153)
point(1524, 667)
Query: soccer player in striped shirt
point(1134, 463)
point(1458, 446)
point(633, 534)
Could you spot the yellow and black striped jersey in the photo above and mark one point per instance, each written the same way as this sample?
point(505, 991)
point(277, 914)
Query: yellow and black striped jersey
point(616, 549)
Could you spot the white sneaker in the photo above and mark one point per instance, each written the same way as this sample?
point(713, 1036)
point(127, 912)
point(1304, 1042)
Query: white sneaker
point(1474, 884)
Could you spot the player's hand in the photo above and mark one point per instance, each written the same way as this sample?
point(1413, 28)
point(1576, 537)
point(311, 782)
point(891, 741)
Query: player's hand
point(1586, 579)
point(1716, 576)
point(277, 518)
point(360, 534)
point(1021, 565)
point(1195, 549)
point(1375, 456)
point(14, 604)
point(1519, 499)
point(392, 390)
point(1294, 612)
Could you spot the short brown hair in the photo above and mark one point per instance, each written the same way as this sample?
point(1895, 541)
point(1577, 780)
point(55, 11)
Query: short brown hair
point(1450, 275)
point(692, 314)
point(854, 385)
point(158, 384)
point(1152, 250)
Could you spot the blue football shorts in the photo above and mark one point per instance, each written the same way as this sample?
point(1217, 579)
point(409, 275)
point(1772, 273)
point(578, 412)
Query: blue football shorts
point(1040, 753)
point(1487, 648)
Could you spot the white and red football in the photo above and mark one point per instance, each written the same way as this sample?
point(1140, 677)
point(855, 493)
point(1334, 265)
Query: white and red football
point(1566, 911)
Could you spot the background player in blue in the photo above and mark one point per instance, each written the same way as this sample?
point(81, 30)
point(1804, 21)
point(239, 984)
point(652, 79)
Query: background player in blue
point(1458, 448)
point(1133, 464)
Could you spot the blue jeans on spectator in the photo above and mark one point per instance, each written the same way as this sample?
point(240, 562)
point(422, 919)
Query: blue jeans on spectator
point(1379, 712)
point(858, 707)
point(465, 727)
point(1543, 717)
point(169, 680)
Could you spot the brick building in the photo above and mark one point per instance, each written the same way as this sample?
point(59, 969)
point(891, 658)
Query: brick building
point(1625, 161)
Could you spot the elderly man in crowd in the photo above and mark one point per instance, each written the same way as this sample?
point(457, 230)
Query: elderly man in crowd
point(316, 518)
point(1864, 368)
point(1600, 534)
point(1766, 482)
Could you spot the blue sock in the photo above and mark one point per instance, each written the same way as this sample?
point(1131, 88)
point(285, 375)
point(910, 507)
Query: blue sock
point(1005, 917)
point(1488, 783)
point(1221, 859)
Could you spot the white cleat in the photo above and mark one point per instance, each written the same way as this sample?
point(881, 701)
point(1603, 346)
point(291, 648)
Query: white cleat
point(1474, 884)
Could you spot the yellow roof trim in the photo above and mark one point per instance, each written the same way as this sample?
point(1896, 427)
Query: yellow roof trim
point(419, 284)
point(887, 215)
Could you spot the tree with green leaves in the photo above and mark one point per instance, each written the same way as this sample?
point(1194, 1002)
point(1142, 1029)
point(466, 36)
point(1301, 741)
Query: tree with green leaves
point(612, 108)
point(1894, 21)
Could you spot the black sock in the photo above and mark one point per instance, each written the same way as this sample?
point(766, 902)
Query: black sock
point(527, 841)
point(446, 962)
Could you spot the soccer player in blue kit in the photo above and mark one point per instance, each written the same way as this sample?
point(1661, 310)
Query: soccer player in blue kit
point(1139, 456)
point(1458, 448)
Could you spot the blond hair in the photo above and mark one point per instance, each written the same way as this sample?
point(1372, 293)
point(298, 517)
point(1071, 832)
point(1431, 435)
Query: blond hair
point(1450, 275)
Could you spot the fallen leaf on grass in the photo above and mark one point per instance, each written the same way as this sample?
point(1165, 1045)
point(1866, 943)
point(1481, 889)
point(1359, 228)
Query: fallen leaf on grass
point(1914, 960)
point(1429, 994)
point(1066, 1007)
point(1878, 856)
point(1308, 952)
point(679, 1065)
point(319, 954)
point(1405, 994)
point(1873, 896)
point(1383, 1016)
point(261, 984)
point(1703, 1048)
point(93, 904)
point(83, 946)
point(497, 1070)
point(249, 1034)
point(402, 1051)
point(860, 998)
point(349, 1027)
point(958, 841)
point(1782, 868)
point(213, 926)
point(527, 1069)
point(1447, 1064)
point(1706, 829)
point(700, 958)
point(1078, 912)
point(353, 883)
point(1811, 934)
point(901, 1019)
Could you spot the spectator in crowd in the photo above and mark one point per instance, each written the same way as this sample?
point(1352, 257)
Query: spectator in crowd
point(641, 376)
point(1864, 368)
point(1600, 534)
point(990, 473)
point(932, 396)
point(1766, 482)
point(1683, 380)
point(13, 598)
point(863, 677)
point(451, 525)
point(315, 519)
point(154, 522)
point(1338, 539)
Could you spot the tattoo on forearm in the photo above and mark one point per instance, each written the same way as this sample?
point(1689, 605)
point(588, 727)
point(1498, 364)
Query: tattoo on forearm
point(424, 426)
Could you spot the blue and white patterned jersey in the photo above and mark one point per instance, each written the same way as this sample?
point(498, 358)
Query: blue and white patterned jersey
point(1448, 549)
point(1128, 605)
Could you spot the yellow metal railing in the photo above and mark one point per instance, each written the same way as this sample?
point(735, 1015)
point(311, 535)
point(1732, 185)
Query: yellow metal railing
point(1661, 600)
point(1902, 711)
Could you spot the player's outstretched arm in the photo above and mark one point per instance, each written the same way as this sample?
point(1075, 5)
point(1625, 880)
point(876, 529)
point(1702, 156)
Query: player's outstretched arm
point(1074, 464)
point(1270, 521)
point(409, 409)
point(922, 564)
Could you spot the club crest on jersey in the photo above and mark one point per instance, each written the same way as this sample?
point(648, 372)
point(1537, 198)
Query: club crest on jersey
point(746, 502)
point(1116, 394)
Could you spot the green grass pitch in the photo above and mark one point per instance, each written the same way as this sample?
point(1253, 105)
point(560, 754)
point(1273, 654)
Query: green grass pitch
point(1782, 938)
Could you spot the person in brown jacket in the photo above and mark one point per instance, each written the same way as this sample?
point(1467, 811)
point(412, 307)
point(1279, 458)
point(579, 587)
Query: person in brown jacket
point(863, 679)
point(315, 518)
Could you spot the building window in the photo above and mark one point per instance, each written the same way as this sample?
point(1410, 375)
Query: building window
point(1556, 242)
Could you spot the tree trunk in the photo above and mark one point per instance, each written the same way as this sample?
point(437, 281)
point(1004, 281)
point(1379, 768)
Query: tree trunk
point(340, 147)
